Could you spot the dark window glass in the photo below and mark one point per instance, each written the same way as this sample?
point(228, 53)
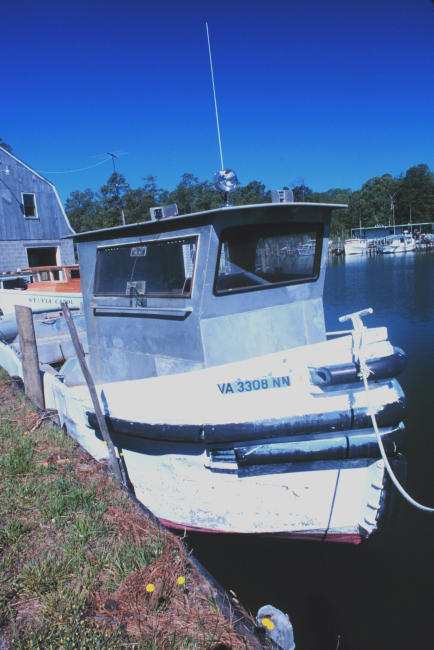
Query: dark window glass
point(29, 203)
point(257, 257)
point(74, 273)
point(159, 268)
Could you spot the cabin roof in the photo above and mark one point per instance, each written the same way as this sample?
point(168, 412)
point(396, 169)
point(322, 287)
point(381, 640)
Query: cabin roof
point(130, 228)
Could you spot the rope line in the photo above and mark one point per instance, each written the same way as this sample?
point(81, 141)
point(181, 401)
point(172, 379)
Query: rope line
point(364, 371)
point(70, 171)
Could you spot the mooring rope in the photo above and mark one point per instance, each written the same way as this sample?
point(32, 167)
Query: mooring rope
point(364, 371)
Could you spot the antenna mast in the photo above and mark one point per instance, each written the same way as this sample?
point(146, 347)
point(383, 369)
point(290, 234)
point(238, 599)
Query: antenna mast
point(215, 98)
point(117, 185)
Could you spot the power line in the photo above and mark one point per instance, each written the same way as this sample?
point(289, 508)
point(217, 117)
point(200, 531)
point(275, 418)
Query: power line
point(70, 171)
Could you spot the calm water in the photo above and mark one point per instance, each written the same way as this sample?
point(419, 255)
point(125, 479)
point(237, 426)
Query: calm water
point(380, 594)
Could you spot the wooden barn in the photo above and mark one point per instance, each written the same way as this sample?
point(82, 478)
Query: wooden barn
point(32, 218)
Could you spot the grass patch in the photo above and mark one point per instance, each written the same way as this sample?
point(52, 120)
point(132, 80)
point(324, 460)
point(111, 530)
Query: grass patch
point(80, 566)
point(18, 460)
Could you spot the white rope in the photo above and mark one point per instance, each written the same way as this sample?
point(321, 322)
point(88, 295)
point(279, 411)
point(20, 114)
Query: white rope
point(364, 371)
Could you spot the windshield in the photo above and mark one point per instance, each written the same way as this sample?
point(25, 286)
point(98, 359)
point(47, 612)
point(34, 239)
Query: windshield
point(161, 268)
point(261, 256)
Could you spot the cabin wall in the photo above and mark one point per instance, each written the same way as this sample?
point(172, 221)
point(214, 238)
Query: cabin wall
point(220, 328)
point(124, 346)
point(17, 232)
point(254, 323)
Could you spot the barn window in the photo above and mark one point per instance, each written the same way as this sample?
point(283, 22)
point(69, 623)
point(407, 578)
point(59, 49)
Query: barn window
point(29, 206)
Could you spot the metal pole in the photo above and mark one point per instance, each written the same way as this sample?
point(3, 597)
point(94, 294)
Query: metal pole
point(29, 356)
point(392, 205)
point(117, 186)
point(215, 99)
point(113, 461)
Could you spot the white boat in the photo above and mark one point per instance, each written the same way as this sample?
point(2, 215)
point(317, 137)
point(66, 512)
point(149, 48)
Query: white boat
point(230, 408)
point(398, 244)
point(40, 288)
point(355, 246)
point(307, 248)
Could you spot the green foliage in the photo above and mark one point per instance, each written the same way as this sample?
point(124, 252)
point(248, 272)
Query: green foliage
point(76, 632)
point(5, 146)
point(250, 194)
point(11, 532)
point(412, 192)
point(41, 575)
point(65, 496)
point(128, 557)
point(18, 460)
point(82, 209)
point(415, 193)
point(302, 193)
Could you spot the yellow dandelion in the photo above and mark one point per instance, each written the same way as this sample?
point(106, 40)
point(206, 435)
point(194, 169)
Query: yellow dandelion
point(26, 432)
point(181, 580)
point(150, 588)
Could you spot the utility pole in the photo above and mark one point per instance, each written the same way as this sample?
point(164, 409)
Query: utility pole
point(392, 207)
point(117, 186)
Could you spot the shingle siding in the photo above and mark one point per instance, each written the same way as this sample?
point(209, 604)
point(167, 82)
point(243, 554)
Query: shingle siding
point(18, 232)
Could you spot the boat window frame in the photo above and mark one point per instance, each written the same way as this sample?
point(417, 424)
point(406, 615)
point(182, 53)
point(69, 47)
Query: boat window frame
point(149, 242)
point(317, 226)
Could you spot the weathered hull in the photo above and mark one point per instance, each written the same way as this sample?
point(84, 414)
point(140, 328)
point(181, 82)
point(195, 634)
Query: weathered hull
point(210, 481)
point(37, 300)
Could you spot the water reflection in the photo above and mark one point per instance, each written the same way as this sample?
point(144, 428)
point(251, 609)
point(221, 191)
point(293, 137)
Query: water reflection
point(391, 284)
point(378, 595)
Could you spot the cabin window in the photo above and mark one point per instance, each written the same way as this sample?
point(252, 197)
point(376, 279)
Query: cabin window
point(158, 269)
point(29, 206)
point(267, 255)
point(74, 274)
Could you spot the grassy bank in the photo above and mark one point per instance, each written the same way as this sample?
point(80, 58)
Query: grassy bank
point(80, 565)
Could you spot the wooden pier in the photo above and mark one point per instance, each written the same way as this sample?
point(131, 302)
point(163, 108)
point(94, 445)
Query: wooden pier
point(373, 249)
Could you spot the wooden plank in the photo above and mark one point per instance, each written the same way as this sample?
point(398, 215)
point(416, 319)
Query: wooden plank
point(29, 356)
point(92, 390)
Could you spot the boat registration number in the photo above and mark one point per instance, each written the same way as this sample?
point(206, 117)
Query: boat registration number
point(254, 385)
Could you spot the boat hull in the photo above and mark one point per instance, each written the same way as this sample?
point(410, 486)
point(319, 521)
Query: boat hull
point(235, 472)
point(396, 245)
point(355, 247)
point(37, 300)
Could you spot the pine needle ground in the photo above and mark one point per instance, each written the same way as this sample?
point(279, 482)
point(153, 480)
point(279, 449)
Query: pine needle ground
point(80, 565)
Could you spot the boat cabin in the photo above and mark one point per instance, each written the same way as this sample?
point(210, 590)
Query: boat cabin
point(189, 292)
point(65, 279)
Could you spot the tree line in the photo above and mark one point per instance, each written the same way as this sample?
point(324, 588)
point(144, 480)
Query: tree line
point(411, 194)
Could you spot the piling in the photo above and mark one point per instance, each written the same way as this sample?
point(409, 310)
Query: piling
point(29, 356)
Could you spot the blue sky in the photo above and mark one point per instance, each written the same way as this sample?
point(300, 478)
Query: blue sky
point(332, 91)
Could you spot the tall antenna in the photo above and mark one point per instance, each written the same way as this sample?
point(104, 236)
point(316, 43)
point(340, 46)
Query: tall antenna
point(215, 98)
point(117, 185)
